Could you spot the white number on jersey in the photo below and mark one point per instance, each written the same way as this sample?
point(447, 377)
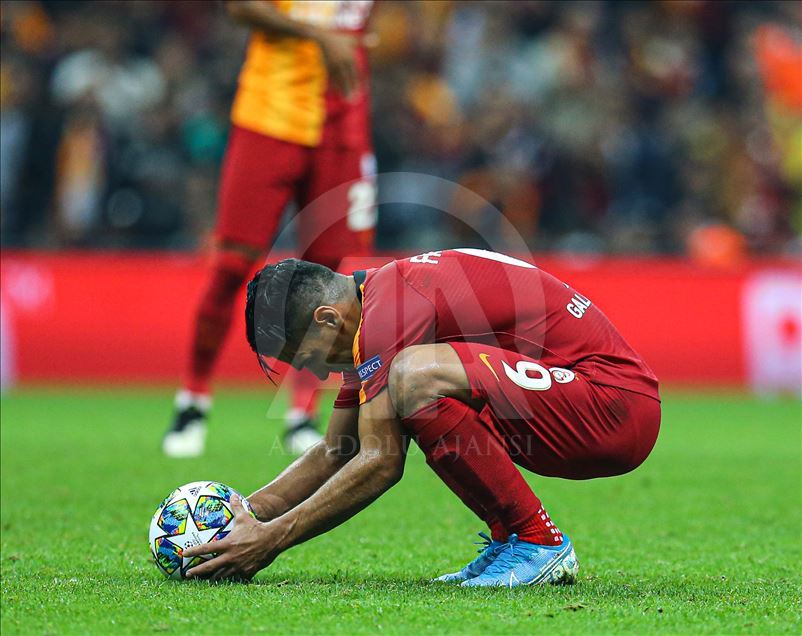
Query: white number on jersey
point(362, 208)
point(520, 375)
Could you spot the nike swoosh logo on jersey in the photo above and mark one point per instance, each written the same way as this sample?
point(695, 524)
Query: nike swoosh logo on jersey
point(483, 357)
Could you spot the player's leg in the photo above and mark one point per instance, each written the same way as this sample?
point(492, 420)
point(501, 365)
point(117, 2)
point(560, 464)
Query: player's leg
point(433, 397)
point(439, 457)
point(230, 266)
point(552, 421)
point(498, 535)
point(491, 545)
point(556, 422)
point(336, 219)
point(256, 183)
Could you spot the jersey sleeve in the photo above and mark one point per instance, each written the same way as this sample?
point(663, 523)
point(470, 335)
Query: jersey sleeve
point(348, 396)
point(394, 316)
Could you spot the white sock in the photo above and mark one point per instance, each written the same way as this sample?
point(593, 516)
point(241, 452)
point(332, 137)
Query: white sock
point(295, 416)
point(201, 401)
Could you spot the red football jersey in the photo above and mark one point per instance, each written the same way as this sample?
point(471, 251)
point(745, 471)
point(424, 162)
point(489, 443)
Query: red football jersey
point(474, 295)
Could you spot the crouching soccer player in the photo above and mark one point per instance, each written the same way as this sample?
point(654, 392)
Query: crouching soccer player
point(485, 361)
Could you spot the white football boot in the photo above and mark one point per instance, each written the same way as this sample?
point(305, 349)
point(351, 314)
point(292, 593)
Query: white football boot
point(187, 435)
point(301, 433)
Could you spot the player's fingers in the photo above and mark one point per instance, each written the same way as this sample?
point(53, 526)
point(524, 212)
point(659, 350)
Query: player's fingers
point(350, 78)
point(238, 508)
point(222, 574)
point(371, 40)
point(213, 547)
point(340, 81)
point(354, 76)
point(207, 569)
point(236, 504)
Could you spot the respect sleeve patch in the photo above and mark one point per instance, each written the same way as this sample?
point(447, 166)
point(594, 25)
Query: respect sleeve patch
point(369, 367)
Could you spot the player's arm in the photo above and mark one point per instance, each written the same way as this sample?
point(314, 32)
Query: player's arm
point(310, 471)
point(377, 466)
point(338, 49)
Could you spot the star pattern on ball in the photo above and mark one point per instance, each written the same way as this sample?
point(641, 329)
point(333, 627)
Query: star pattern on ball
point(194, 536)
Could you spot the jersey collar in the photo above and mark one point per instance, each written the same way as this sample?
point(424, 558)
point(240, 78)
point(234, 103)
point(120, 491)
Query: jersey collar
point(359, 281)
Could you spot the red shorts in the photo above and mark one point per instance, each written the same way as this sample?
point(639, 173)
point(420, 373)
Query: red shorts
point(553, 421)
point(333, 187)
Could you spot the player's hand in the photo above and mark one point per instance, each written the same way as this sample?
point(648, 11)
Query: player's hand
point(339, 55)
point(249, 547)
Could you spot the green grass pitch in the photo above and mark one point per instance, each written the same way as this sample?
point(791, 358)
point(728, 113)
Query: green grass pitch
point(705, 537)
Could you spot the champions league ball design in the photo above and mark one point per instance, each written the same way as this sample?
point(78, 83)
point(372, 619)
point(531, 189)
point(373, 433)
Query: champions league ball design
point(196, 513)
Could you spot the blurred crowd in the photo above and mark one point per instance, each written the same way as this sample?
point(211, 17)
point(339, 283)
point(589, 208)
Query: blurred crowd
point(622, 127)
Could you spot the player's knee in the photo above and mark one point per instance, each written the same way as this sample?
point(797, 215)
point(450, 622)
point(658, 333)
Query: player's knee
point(414, 379)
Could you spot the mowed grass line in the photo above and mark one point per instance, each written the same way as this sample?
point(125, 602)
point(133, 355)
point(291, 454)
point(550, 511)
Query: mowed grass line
point(705, 537)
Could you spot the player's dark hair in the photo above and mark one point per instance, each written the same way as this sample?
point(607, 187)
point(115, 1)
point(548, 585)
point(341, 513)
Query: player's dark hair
point(280, 302)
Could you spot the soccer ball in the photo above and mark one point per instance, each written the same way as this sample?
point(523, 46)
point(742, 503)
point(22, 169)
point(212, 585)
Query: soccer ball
point(198, 512)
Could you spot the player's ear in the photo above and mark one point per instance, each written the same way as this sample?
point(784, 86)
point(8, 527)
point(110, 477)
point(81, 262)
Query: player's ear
point(327, 316)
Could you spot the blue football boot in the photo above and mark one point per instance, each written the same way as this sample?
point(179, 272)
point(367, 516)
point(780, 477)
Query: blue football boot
point(522, 563)
point(487, 553)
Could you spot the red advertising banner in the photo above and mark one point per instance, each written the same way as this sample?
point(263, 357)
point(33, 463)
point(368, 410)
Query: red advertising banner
point(81, 317)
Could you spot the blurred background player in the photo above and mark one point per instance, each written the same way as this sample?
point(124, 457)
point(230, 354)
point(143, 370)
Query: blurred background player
point(300, 128)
